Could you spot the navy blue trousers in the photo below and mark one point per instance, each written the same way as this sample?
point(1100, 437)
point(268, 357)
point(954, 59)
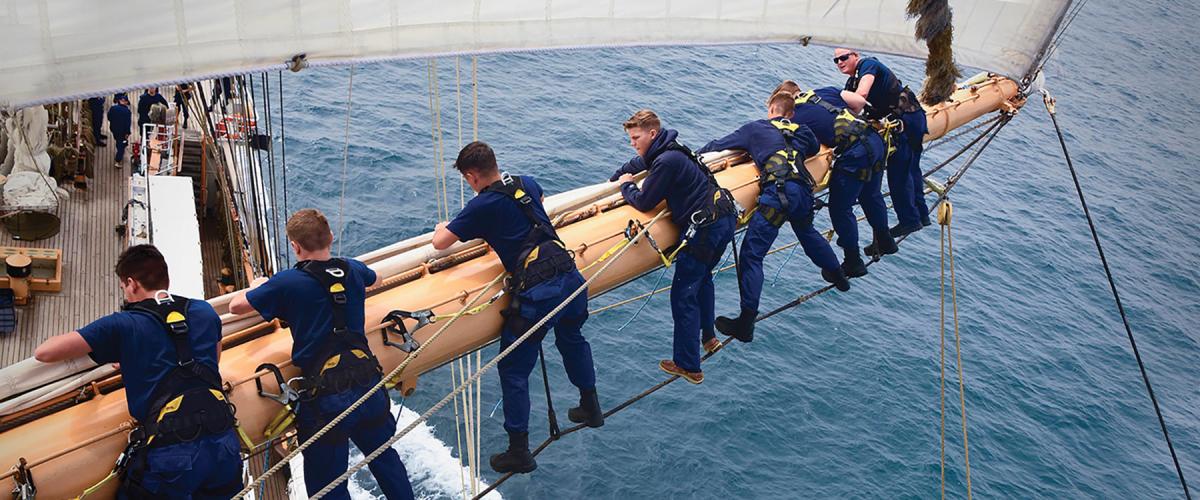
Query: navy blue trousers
point(97, 106)
point(369, 426)
point(760, 234)
point(188, 469)
point(692, 295)
point(515, 368)
point(905, 181)
point(121, 140)
point(845, 189)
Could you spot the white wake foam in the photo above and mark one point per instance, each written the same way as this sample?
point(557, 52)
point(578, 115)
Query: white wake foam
point(432, 466)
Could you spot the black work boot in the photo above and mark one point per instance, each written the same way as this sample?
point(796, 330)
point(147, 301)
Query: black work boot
point(853, 264)
point(884, 244)
point(900, 229)
point(517, 459)
point(838, 278)
point(741, 327)
point(588, 412)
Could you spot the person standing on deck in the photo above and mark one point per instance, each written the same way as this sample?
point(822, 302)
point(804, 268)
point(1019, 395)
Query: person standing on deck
point(96, 105)
point(148, 99)
point(705, 215)
point(856, 170)
point(888, 98)
point(322, 298)
point(167, 347)
point(221, 87)
point(508, 214)
point(183, 92)
point(778, 148)
point(120, 121)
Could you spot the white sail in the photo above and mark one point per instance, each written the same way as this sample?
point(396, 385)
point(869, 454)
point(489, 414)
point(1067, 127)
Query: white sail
point(54, 50)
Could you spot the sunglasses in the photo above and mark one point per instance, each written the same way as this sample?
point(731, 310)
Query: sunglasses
point(842, 57)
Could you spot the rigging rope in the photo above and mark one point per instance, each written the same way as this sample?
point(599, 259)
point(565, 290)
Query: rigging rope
point(475, 98)
point(266, 85)
point(345, 159)
point(462, 191)
point(457, 434)
point(950, 183)
point(1112, 285)
point(944, 219)
point(479, 373)
point(435, 135)
point(283, 152)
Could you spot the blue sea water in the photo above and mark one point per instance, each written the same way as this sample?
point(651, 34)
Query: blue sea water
point(837, 398)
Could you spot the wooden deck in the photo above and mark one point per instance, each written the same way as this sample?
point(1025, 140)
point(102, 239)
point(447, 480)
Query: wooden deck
point(90, 245)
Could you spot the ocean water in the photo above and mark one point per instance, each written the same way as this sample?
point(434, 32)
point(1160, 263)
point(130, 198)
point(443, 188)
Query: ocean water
point(839, 397)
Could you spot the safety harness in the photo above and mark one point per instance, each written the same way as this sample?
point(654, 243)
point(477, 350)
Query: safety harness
point(543, 255)
point(894, 92)
point(848, 130)
point(718, 203)
point(189, 402)
point(783, 166)
point(345, 360)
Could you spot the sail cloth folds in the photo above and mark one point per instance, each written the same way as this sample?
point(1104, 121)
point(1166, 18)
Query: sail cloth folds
point(54, 50)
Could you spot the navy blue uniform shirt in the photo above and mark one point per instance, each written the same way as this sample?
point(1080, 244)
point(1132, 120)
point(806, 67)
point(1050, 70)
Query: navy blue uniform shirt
point(144, 104)
point(299, 299)
point(120, 119)
point(817, 118)
point(496, 218)
point(879, 96)
point(673, 176)
point(140, 342)
point(762, 140)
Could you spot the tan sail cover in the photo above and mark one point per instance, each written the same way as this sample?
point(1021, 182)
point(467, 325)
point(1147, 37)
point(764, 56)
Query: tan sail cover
point(54, 50)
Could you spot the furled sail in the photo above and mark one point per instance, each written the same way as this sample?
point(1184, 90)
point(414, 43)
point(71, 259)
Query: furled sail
point(56, 50)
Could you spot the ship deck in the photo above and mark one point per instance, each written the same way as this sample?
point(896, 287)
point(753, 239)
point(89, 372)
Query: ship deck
point(90, 245)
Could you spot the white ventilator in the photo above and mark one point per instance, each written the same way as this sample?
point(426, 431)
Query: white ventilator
point(58, 50)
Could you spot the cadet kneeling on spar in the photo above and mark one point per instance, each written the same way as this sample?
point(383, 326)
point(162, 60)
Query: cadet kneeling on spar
point(706, 216)
point(508, 214)
point(185, 444)
point(322, 299)
point(778, 148)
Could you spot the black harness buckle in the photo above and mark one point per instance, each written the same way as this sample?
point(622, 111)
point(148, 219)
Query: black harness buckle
point(408, 344)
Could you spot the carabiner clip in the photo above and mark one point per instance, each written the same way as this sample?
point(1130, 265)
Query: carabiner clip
point(397, 317)
point(287, 395)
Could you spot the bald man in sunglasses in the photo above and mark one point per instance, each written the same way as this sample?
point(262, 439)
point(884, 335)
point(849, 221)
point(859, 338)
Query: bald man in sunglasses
point(888, 98)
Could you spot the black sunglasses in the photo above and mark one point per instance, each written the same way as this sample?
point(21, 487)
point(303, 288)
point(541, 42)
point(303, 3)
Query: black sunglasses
point(842, 57)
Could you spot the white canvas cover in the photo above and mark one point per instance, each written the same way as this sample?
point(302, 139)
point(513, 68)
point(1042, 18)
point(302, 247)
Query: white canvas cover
point(54, 50)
